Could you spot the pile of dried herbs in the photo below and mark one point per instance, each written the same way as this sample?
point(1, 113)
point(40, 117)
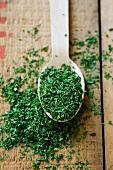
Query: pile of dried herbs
point(26, 123)
point(60, 92)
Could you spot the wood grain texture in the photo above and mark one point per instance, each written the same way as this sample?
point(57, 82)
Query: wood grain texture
point(23, 15)
point(107, 22)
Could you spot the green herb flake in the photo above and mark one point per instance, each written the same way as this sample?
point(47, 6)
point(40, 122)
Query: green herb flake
point(107, 75)
point(54, 168)
point(110, 29)
point(93, 134)
point(48, 166)
point(45, 49)
point(1, 158)
point(110, 122)
point(84, 134)
point(66, 166)
point(20, 39)
point(81, 43)
point(78, 139)
point(89, 32)
point(1, 80)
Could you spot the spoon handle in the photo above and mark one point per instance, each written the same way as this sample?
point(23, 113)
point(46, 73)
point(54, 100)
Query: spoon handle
point(59, 17)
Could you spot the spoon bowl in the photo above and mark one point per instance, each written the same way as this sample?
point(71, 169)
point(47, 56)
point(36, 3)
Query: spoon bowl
point(75, 68)
point(60, 45)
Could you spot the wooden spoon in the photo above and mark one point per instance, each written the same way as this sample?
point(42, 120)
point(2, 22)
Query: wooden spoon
point(59, 16)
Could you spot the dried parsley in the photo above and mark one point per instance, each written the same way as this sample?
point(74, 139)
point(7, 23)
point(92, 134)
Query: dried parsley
point(1, 158)
point(25, 121)
point(110, 122)
point(60, 92)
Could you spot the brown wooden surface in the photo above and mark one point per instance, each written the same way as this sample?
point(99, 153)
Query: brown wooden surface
point(24, 14)
point(107, 22)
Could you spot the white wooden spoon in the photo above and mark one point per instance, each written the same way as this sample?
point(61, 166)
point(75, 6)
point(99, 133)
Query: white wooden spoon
point(59, 17)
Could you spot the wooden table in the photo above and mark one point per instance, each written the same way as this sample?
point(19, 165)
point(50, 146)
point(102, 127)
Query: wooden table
point(85, 15)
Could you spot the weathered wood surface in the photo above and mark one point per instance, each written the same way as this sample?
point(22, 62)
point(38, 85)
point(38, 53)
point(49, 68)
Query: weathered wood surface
point(107, 36)
point(23, 15)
